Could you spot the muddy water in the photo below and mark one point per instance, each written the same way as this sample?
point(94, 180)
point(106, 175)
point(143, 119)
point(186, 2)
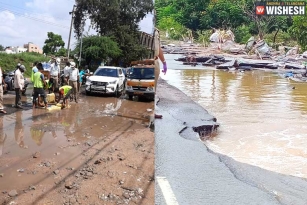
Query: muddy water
point(23, 133)
point(263, 116)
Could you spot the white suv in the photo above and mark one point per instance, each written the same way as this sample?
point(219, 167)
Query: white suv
point(106, 79)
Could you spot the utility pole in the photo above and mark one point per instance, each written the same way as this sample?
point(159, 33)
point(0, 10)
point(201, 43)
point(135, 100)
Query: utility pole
point(80, 50)
point(72, 13)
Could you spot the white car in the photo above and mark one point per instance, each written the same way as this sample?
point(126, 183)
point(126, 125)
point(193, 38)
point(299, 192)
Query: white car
point(106, 79)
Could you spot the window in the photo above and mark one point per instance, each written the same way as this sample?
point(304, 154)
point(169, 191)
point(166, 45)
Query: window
point(110, 72)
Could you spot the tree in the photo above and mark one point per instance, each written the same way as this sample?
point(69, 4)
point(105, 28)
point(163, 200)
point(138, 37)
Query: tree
point(299, 31)
point(223, 14)
point(262, 23)
point(53, 43)
point(116, 19)
point(187, 12)
point(61, 52)
point(1, 47)
point(98, 48)
point(174, 29)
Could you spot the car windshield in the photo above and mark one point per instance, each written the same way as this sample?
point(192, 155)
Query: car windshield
point(109, 72)
point(142, 73)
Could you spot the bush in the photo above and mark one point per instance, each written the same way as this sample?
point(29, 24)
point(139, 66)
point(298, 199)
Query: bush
point(242, 34)
point(9, 61)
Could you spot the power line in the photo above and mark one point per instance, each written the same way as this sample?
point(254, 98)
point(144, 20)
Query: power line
point(23, 9)
point(35, 19)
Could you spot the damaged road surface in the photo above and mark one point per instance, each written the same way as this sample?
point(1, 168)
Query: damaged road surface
point(99, 151)
point(187, 172)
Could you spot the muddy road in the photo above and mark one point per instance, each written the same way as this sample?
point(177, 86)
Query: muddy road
point(99, 151)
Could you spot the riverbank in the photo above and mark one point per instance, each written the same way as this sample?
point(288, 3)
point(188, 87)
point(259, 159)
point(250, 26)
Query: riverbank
point(187, 172)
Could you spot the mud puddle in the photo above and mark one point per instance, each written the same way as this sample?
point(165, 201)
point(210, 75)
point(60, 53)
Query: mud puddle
point(34, 144)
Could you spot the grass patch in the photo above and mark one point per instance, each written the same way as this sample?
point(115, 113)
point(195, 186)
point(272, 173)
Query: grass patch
point(8, 62)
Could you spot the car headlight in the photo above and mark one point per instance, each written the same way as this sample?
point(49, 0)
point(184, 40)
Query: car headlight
point(150, 89)
point(113, 82)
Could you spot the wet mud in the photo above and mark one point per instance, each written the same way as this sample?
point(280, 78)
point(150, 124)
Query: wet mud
point(100, 150)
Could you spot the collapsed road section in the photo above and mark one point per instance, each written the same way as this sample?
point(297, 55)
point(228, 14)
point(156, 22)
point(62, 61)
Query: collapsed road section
point(187, 172)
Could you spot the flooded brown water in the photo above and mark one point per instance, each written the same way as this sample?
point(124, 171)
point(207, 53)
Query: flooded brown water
point(262, 116)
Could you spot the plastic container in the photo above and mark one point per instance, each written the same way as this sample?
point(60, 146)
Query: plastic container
point(50, 98)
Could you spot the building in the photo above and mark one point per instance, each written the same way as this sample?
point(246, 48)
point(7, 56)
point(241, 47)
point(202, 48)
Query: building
point(31, 47)
point(20, 49)
point(10, 50)
point(14, 50)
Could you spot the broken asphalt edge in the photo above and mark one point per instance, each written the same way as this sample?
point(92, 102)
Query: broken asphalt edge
point(198, 175)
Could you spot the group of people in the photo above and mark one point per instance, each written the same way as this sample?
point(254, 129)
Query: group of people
point(70, 85)
point(68, 90)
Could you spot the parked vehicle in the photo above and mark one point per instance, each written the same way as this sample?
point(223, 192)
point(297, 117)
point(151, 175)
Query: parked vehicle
point(9, 80)
point(141, 79)
point(106, 79)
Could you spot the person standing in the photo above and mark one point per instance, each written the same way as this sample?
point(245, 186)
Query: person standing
point(2, 83)
point(34, 70)
point(158, 55)
point(73, 80)
point(55, 74)
point(66, 73)
point(18, 84)
point(39, 84)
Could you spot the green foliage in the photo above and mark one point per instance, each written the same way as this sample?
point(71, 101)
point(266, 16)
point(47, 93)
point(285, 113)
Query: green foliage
point(223, 14)
point(128, 42)
point(283, 38)
point(237, 15)
point(1, 47)
point(61, 52)
point(175, 30)
point(203, 37)
point(299, 31)
point(242, 34)
point(98, 48)
point(53, 43)
point(108, 16)
point(9, 61)
point(117, 20)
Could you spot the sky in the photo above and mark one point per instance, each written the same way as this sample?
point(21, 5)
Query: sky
point(23, 21)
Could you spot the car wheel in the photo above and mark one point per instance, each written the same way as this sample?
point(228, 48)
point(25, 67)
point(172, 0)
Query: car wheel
point(117, 91)
point(87, 92)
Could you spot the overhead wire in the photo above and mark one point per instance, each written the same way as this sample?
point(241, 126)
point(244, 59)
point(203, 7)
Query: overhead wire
point(25, 10)
point(34, 18)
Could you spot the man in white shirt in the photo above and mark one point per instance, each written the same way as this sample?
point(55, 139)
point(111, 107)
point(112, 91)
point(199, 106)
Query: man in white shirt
point(66, 73)
point(73, 80)
point(55, 73)
point(2, 83)
point(18, 84)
